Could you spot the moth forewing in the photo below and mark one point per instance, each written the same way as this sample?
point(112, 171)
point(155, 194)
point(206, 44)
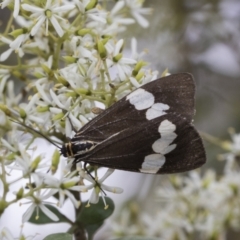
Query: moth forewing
point(175, 91)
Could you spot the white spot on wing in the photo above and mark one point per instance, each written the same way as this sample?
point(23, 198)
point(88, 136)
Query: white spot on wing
point(141, 99)
point(162, 146)
point(166, 128)
point(153, 162)
point(156, 110)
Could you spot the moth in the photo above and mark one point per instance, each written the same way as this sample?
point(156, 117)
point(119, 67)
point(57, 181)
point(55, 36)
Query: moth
point(149, 131)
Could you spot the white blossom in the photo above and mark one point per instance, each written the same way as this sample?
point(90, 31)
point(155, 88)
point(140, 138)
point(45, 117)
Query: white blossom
point(5, 3)
point(49, 13)
point(98, 186)
point(15, 46)
point(38, 202)
point(137, 11)
point(64, 186)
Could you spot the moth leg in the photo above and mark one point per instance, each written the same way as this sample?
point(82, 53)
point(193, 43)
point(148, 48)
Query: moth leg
point(89, 173)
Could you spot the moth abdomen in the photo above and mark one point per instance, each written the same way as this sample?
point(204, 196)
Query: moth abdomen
point(77, 148)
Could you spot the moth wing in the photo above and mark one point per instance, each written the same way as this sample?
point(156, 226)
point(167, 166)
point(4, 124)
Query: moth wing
point(134, 149)
point(174, 93)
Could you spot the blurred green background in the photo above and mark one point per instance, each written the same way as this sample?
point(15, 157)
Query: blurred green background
point(201, 37)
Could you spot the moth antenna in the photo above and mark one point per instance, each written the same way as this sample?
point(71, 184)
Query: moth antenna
point(39, 133)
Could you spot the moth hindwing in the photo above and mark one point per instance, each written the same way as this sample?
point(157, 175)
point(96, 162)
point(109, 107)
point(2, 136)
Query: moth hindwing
point(150, 130)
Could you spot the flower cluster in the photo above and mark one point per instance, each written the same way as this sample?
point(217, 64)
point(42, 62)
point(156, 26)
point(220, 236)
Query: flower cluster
point(69, 60)
point(196, 206)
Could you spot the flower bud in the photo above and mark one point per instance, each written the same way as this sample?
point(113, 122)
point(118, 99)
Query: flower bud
point(55, 161)
point(92, 4)
point(101, 49)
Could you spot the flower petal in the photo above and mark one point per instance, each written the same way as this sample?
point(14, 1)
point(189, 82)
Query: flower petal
point(57, 26)
point(48, 213)
point(26, 216)
point(37, 25)
point(5, 55)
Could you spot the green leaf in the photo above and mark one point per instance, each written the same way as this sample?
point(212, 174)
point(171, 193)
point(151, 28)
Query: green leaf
point(96, 212)
point(59, 236)
point(91, 229)
point(43, 219)
point(93, 217)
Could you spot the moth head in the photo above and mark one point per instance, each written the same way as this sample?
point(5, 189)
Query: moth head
point(77, 148)
point(64, 149)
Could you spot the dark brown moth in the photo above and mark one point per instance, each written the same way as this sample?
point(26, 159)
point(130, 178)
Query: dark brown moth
point(150, 131)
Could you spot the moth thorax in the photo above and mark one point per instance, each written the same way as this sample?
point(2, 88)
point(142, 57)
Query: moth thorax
point(72, 149)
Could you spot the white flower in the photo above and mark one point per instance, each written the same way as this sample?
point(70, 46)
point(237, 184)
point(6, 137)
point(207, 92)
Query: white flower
point(134, 54)
point(29, 166)
point(85, 50)
point(233, 154)
point(236, 143)
point(99, 187)
point(16, 6)
point(64, 186)
point(12, 99)
point(37, 202)
point(30, 110)
point(118, 19)
point(123, 65)
point(15, 45)
point(94, 14)
point(49, 13)
point(137, 11)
